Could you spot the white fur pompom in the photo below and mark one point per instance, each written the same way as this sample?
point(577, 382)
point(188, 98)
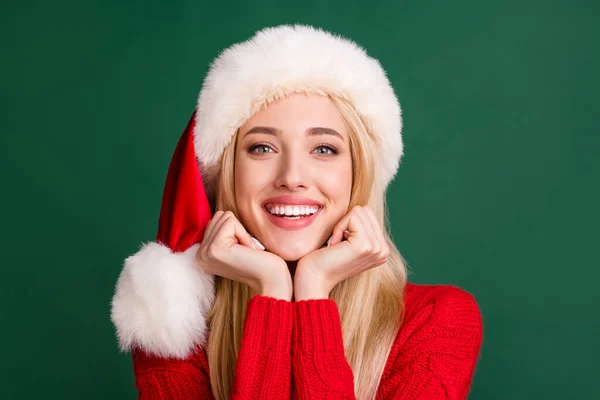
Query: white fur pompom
point(161, 301)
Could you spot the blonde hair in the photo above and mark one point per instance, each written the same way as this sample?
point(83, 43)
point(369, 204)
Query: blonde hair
point(371, 304)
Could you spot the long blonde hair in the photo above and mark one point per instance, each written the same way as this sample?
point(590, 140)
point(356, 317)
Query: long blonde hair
point(371, 304)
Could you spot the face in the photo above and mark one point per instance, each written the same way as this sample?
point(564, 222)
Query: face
point(293, 174)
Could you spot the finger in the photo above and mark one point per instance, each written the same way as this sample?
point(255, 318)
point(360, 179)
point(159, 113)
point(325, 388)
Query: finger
point(376, 227)
point(384, 249)
point(345, 235)
point(232, 229)
point(338, 230)
point(366, 235)
point(209, 235)
point(219, 223)
point(259, 245)
point(243, 236)
point(209, 232)
point(370, 228)
point(344, 224)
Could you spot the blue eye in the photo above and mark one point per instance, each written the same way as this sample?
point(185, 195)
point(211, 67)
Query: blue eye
point(332, 150)
point(259, 146)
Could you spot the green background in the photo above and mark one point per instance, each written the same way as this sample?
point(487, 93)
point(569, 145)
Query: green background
point(497, 193)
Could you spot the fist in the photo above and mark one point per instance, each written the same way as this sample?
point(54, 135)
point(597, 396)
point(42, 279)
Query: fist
point(228, 250)
point(365, 247)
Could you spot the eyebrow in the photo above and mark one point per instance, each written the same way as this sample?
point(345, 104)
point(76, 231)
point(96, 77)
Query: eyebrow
point(310, 131)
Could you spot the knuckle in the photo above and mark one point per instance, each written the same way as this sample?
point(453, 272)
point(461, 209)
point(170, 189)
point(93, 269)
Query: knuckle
point(385, 252)
point(201, 258)
point(384, 255)
point(198, 255)
point(212, 253)
point(354, 210)
point(226, 225)
point(366, 247)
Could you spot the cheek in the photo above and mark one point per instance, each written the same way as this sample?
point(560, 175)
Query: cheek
point(250, 179)
point(241, 183)
point(336, 184)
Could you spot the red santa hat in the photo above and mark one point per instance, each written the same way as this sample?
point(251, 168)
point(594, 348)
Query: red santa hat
point(162, 298)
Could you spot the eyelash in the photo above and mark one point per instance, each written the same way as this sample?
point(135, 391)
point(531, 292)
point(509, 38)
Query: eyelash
point(257, 145)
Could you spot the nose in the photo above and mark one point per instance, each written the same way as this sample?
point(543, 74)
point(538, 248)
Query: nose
point(292, 172)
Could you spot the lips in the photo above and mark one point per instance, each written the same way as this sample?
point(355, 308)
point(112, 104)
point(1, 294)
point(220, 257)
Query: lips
point(293, 200)
point(292, 224)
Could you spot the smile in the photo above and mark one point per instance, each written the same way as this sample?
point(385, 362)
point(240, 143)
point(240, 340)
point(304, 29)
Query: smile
point(291, 210)
point(291, 217)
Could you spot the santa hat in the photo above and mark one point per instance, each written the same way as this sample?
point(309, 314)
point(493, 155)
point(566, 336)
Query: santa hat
point(162, 298)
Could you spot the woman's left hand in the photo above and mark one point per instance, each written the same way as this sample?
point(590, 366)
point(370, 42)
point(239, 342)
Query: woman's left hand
point(365, 247)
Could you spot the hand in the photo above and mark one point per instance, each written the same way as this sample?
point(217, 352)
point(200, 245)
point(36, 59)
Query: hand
point(365, 247)
point(228, 250)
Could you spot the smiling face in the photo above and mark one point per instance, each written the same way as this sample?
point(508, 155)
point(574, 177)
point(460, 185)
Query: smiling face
point(293, 153)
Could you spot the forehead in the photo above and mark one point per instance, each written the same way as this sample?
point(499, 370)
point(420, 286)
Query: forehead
point(297, 113)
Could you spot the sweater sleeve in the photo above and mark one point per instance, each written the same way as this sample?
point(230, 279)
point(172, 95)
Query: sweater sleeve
point(264, 366)
point(263, 369)
point(158, 378)
point(320, 368)
point(437, 351)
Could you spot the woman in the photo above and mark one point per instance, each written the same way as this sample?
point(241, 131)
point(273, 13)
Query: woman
point(293, 288)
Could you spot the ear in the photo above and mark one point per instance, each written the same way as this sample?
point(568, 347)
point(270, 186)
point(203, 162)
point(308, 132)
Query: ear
point(161, 301)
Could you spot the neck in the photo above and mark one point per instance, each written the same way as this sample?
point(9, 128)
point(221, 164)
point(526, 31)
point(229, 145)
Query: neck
point(292, 267)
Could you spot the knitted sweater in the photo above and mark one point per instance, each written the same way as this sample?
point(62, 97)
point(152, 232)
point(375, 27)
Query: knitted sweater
point(294, 350)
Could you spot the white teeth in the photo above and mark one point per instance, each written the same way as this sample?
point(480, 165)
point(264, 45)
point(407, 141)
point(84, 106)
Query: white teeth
point(290, 211)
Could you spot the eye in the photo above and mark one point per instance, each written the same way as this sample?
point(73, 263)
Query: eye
point(262, 148)
point(328, 150)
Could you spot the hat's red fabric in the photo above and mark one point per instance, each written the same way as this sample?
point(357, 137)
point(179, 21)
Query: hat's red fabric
point(185, 210)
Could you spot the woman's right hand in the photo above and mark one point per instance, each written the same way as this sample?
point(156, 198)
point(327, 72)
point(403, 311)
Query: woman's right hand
point(228, 250)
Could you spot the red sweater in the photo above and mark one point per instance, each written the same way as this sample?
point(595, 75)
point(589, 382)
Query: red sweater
point(294, 350)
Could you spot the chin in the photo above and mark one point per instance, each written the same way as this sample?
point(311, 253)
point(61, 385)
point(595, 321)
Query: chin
point(290, 254)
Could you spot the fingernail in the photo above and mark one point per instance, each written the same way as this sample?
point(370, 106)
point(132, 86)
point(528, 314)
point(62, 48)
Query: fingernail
point(328, 240)
point(259, 244)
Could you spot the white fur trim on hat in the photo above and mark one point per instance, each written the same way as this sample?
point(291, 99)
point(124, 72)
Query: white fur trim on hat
point(282, 60)
point(161, 302)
